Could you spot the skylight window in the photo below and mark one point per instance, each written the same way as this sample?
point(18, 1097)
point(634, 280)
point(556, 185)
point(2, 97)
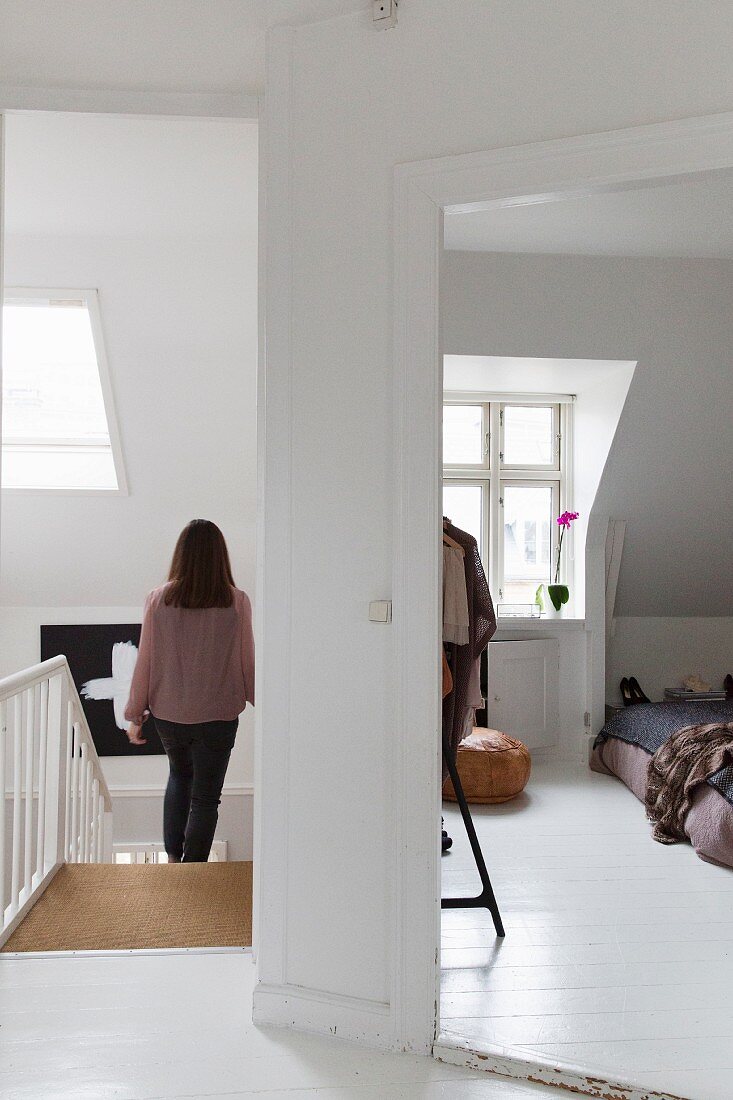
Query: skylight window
point(58, 426)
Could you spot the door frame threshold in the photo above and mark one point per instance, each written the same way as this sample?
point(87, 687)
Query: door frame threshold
point(519, 1065)
point(125, 952)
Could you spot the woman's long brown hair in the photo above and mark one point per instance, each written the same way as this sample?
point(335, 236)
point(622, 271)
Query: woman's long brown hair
point(200, 573)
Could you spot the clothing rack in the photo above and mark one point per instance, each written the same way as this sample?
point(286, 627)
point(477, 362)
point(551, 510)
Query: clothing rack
point(476, 598)
point(486, 899)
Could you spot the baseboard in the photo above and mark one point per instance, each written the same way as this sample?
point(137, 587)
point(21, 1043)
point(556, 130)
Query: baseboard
point(132, 952)
point(323, 1013)
point(158, 789)
point(138, 812)
point(512, 1063)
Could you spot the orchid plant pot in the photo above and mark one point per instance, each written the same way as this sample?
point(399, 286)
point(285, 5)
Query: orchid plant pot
point(551, 598)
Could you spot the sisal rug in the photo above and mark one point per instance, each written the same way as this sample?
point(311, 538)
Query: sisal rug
point(117, 907)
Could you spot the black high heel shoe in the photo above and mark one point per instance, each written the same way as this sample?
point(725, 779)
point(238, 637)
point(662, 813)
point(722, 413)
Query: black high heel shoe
point(637, 695)
point(626, 692)
point(446, 842)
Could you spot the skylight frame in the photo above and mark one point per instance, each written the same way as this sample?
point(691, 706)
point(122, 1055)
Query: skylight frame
point(89, 296)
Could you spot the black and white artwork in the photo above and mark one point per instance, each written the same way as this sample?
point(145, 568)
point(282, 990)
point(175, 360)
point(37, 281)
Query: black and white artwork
point(102, 661)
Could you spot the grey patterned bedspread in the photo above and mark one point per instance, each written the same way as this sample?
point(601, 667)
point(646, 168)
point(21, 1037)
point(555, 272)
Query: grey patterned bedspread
point(649, 725)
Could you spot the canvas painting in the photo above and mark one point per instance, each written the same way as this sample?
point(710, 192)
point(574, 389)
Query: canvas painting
point(102, 660)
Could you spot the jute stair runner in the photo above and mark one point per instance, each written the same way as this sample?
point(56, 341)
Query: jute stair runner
point(114, 907)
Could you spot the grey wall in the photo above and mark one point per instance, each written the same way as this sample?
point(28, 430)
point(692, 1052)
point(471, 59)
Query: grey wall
point(669, 470)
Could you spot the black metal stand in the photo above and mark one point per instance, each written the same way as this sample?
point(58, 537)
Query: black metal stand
point(486, 899)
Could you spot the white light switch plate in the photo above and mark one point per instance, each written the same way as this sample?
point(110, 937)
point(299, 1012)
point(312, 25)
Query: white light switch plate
point(380, 611)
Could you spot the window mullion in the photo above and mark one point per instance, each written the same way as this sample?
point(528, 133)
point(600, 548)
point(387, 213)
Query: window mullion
point(486, 422)
point(495, 513)
point(517, 474)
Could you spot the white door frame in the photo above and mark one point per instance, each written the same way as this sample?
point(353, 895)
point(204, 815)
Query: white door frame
point(423, 190)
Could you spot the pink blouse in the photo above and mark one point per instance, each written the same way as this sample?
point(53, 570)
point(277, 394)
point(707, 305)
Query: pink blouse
point(194, 664)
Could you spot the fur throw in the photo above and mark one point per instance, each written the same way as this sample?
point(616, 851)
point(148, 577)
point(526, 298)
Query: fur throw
point(687, 759)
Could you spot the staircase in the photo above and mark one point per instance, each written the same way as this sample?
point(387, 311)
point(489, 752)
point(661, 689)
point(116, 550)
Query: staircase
point(57, 808)
point(59, 887)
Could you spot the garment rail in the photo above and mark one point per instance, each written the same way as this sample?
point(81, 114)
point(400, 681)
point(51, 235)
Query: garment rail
point(486, 899)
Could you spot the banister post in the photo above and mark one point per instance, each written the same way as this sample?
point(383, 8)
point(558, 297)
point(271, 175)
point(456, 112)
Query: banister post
point(107, 837)
point(56, 765)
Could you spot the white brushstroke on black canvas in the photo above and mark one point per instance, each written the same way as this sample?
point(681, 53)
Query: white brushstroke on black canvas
point(117, 686)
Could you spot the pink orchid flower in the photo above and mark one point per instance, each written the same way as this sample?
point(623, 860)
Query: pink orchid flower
point(563, 522)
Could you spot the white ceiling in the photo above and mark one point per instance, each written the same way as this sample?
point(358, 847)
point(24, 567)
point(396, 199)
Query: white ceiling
point(109, 176)
point(187, 45)
point(690, 217)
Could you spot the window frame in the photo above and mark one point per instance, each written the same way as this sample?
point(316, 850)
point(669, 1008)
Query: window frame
point(494, 474)
point(89, 297)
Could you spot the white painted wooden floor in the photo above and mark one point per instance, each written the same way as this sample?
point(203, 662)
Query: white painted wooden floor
point(619, 951)
point(179, 1025)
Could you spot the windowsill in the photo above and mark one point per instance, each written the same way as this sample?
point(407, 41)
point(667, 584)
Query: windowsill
point(532, 626)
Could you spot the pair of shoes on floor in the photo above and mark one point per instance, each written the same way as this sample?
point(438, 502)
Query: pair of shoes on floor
point(446, 841)
point(631, 692)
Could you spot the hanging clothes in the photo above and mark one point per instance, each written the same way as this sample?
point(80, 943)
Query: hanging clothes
point(459, 706)
point(455, 599)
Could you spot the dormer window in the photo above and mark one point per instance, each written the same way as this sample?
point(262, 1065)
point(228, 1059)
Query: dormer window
point(59, 431)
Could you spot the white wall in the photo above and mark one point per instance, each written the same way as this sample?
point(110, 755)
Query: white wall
point(451, 78)
point(671, 455)
point(179, 325)
point(178, 296)
point(662, 651)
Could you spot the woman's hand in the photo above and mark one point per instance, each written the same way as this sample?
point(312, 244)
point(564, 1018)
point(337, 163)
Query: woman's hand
point(133, 735)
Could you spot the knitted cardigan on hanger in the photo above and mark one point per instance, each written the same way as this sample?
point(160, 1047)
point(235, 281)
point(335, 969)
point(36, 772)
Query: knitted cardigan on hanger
point(481, 628)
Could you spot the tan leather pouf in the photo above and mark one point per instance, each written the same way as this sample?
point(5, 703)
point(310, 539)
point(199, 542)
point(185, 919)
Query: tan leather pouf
point(493, 767)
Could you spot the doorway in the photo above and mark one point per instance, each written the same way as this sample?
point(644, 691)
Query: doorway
point(498, 181)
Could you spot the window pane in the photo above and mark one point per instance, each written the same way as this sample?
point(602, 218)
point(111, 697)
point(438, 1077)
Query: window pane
point(54, 426)
point(527, 540)
point(463, 435)
point(528, 435)
point(51, 387)
point(463, 504)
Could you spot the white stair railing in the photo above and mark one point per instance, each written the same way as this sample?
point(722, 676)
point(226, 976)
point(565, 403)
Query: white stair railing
point(56, 805)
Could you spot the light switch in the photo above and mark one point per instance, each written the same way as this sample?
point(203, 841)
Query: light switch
point(380, 611)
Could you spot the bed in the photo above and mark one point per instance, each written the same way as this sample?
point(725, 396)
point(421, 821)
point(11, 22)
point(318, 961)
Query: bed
point(631, 736)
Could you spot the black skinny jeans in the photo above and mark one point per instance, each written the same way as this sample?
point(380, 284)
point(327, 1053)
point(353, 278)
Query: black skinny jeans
point(198, 756)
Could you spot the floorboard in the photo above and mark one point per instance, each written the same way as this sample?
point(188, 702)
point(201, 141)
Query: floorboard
point(619, 951)
point(173, 1026)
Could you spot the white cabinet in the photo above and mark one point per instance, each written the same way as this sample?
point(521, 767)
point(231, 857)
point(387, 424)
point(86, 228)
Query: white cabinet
point(523, 690)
